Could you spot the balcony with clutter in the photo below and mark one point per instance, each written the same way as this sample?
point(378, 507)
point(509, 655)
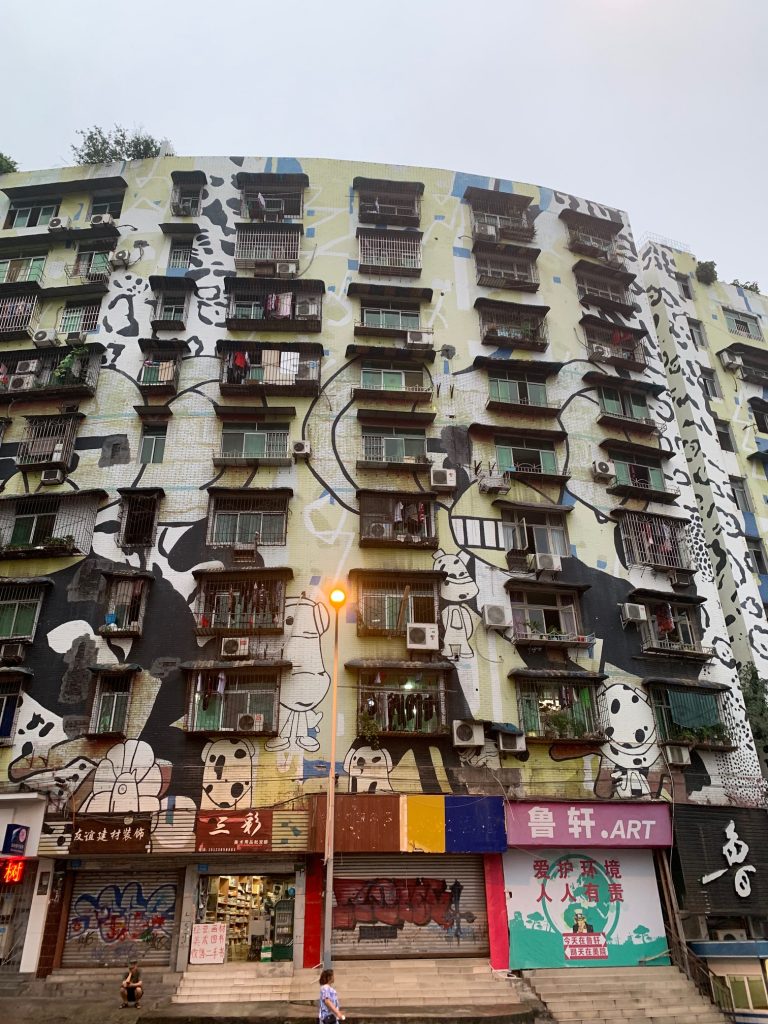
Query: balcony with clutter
point(561, 705)
point(240, 602)
point(391, 519)
point(274, 305)
point(670, 627)
point(48, 525)
point(385, 202)
point(614, 345)
point(511, 267)
point(689, 713)
point(48, 441)
point(187, 193)
point(395, 702)
point(596, 237)
point(71, 372)
point(658, 542)
point(545, 615)
point(271, 198)
point(232, 700)
point(513, 325)
point(388, 601)
point(263, 368)
point(604, 286)
point(500, 216)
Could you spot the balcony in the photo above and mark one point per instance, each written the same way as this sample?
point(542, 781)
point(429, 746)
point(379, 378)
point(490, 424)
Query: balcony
point(390, 253)
point(377, 456)
point(514, 226)
point(271, 250)
point(392, 323)
point(262, 448)
point(382, 207)
point(248, 705)
point(638, 482)
point(269, 306)
point(504, 270)
point(186, 202)
point(598, 246)
point(623, 421)
point(419, 394)
point(240, 604)
point(412, 709)
point(693, 650)
point(390, 528)
point(46, 525)
point(513, 331)
point(90, 272)
point(614, 346)
point(253, 369)
point(504, 396)
point(48, 442)
point(18, 316)
point(544, 715)
point(22, 275)
point(658, 542)
point(554, 639)
point(609, 293)
point(271, 206)
point(71, 373)
point(159, 375)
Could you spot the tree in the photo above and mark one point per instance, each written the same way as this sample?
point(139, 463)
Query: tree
point(104, 147)
point(750, 286)
point(755, 691)
point(706, 272)
point(7, 165)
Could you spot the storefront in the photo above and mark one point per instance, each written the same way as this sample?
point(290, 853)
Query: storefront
point(257, 909)
point(581, 884)
point(24, 881)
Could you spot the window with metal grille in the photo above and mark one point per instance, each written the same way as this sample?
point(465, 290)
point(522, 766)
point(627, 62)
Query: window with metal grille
point(402, 702)
point(689, 715)
point(271, 204)
point(25, 214)
point(171, 306)
point(507, 271)
point(80, 318)
point(525, 454)
point(745, 324)
point(19, 610)
point(599, 287)
point(159, 370)
point(153, 443)
point(390, 251)
point(242, 605)
point(186, 201)
point(518, 327)
point(517, 389)
point(180, 256)
point(47, 440)
point(394, 444)
point(640, 471)
point(401, 518)
point(560, 710)
point(613, 344)
point(254, 246)
point(125, 605)
point(21, 268)
point(112, 204)
point(91, 264)
point(10, 701)
point(233, 701)
point(544, 614)
point(35, 521)
point(254, 441)
point(381, 203)
point(248, 520)
point(138, 520)
point(670, 628)
point(111, 700)
point(655, 540)
point(16, 312)
point(386, 606)
point(540, 533)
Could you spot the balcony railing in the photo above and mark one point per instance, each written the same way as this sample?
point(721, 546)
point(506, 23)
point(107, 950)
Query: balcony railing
point(543, 718)
point(504, 396)
point(655, 541)
point(376, 454)
point(288, 373)
point(271, 205)
point(249, 710)
point(534, 470)
point(693, 649)
point(502, 227)
point(24, 270)
point(601, 292)
point(405, 392)
point(390, 323)
point(399, 711)
point(517, 275)
point(89, 269)
point(240, 607)
point(268, 448)
point(625, 421)
point(615, 347)
point(598, 246)
point(159, 376)
point(379, 529)
point(399, 256)
point(716, 736)
point(48, 442)
point(640, 484)
point(254, 247)
point(68, 373)
point(523, 637)
point(389, 208)
point(254, 309)
point(513, 332)
point(18, 313)
point(80, 319)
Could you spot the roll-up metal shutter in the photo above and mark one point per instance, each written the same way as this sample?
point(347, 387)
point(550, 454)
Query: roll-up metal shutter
point(409, 905)
point(115, 915)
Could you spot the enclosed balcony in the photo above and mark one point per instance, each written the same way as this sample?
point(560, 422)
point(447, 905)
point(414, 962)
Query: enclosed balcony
point(519, 394)
point(512, 267)
point(513, 325)
point(500, 216)
point(18, 316)
point(90, 271)
point(269, 250)
point(690, 714)
point(389, 202)
point(389, 253)
point(659, 542)
point(263, 369)
point(604, 286)
point(48, 441)
point(240, 603)
point(671, 630)
point(387, 601)
point(392, 382)
point(561, 709)
point(78, 319)
point(404, 451)
point(187, 193)
point(402, 703)
point(22, 274)
point(48, 525)
point(614, 345)
point(245, 704)
point(252, 444)
point(594, 236)
point(159, 374)
point(397, 520)
point(627, 410)
point(635, 479)
point(43, 374)
point(271, 198)
point(275, 305)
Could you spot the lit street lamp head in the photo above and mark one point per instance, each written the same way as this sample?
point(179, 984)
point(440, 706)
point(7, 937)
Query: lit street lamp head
point(337, 597)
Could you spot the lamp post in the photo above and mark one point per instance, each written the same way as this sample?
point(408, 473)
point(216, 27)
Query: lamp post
point(337, 597)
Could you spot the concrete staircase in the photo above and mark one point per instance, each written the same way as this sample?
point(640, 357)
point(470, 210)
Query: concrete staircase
point(420, 985)
point(622, 995)
point(102, 986)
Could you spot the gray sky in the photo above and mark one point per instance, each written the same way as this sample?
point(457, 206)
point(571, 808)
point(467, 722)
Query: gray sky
point(654, 106)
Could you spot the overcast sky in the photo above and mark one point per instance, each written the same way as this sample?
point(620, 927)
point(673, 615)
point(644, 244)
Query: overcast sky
point(655, 106)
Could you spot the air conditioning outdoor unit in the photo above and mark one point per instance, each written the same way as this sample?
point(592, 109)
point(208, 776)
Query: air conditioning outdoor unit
point(120, 258)
point(417, 339)
point(22, 382)
point(52, 476)
point(12, 653)
point(730, 360)
point(59, 223)
point(100, 220)
point(302, 449)
point(378, 531)
point(496, 616)
point(511, 744)
point(495, 483)
point(633, 613)
point(250, 723)
point(262, 269)
point(468, 734)
point(679, 756)
point(307, 310)
point(601, 352)
point(546, 563)
point(731, 935)
point(422, 636)
point(234, 647)
point(486, 230)
point(28, 366)
point(284, 269)
point(603, 469)
point(442, 479)
point(44, 339)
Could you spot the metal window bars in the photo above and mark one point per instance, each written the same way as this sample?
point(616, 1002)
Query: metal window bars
point(403, 703)
point(391, 205)
point(243, 444)
point(251, 367)
point(240, 606)
point(397, 519)
point(47, 441)
point(235, 702)
point(109, 715)
point(171, 308)
point(656, 541)
point(126, 603)
point(22, 269)
point(512, 225)
point(186, 201)
point(138, 520)
point(386, 607)
point(390, 252)
point(91, 266)
point(49, 371)
point(613, 344)
point(377, 448)
point(517, 329)
point(17, 313)
point(159, 373)
point(497, 272)
point(254, 247)
point(590, 287)
point(19, 610)
point(180, 256)
point(285, 310)
point(247, 522)
point(271, 204)
point(79, 318)
point(562, 711)
point(593, 243)
point(50, 524)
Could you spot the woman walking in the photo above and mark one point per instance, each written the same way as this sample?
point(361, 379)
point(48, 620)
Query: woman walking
point(329, 1010)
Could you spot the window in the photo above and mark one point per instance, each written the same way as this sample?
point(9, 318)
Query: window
point(658, 541)
point(91, 264)
point(235, 521)
point(186, 201)
point(138, 515)
point(19, 610)
point(109, 714)
point(159, 372)
point(16, 313)
point(630, 405)
point(383, 376)
point(387, 605)
point(642, 472)
point(745, 324)
point(559, 711)
point(614, 345)
point(671, 629)
point(22, 268)
point(724, 436)
point(402, 702)
point(254, 246)
point(126, 602)
point(394, 444)
point(29, 215)
point(272, 203)
point(254, 441)
point(10, 701)
point(496, 271)
point(47, 441)
point(383, 252)
point(696, 330)
point(35, 522)
point(111, 204)
point(748, 991)
point(243, 602)
point(180, 255)
point(541, 533)
point(761, 420)
point(400, 519)
point(250, 301)
point(740, 494)
point(709, 383)
point(390, 317)
point(80, 318)
point(171, 307)
point(689, 715)
point(234, 702)
point(382, 205)
point(684, 286)
point(591, 287)
point(542, 614)
point(525, 455)
point(153, 443)
point(516, 389)
point(757, 554)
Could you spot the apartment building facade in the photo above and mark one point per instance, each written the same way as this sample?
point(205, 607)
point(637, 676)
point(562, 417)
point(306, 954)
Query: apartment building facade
point(238, 383)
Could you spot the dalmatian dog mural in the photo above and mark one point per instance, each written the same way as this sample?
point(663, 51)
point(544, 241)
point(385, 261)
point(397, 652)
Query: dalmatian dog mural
point(457, 587)
point(368, 770)
point(631, 747)
point(306, 621)
point(229, 774)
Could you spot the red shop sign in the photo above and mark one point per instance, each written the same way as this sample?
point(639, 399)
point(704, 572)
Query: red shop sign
point(241, 831)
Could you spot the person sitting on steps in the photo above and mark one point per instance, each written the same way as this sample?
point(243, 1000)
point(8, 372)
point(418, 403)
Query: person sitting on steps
point(132, 989)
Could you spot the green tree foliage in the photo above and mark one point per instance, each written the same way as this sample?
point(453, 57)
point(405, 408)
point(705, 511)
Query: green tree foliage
point(7, 165)
point(706, 272)
point(755, 690)
point(103, 147)
point(750, 286)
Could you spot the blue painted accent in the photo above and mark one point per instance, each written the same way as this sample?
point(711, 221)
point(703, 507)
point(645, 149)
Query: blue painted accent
point(545, 198)
point(316, 769)
point(744, 296)
point(573, 550)
point(439, 216)
point(764, 589)
point(352, 264)
point(310, 232)
point(351, 200)
point(762, 444)
point(474, 824)
point(557, 280)
point(331, 287)
point(757, 948)
point(461, 252)
point(351, 613)
point(175, 271)
point(714, 316)
point(568, 499)
point(289, 165)
point(750, 524)
point(462, 181)
point(314, 581)
point(310, 213)
point(446, 366)
point(602, 564)
point(268, 165)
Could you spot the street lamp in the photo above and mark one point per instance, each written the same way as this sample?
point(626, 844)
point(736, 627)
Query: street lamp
point(337, 597)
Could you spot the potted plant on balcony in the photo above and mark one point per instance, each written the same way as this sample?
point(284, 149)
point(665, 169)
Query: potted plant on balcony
point(556, 725)
point(368, 729)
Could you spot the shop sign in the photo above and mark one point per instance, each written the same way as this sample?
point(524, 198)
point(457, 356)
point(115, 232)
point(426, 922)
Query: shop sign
point(735, 852)
point(13, 872)
point(240, 831)
point(582, 907)
point(209, 943)
point(15, 841)
point(588, 824)
point(111, 833)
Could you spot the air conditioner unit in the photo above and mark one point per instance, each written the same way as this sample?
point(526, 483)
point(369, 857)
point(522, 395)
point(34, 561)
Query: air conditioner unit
point(679, 756)
point(100, 220)
point(234, 647)
point(307, 310)
point(262, 269)
point(442, 479)
point(731, 935)
point(730, 360)
point(468, 734)
point(52, 476)
point(496, 616)
point(22, 382)
point(422, 636)
point(250, 723)
point(511, 744)
point(44, 339)
point(496, 483)
point(546, 563)
point(284, 269)
point(120, 258)
point(12, 653)
point(28, 366)
point(378, 531)
point(486, 230)
point(603, 469)
point(302, 449)
point(601, 352)
point(633, 613)
point(59, 223)
point(418, 339)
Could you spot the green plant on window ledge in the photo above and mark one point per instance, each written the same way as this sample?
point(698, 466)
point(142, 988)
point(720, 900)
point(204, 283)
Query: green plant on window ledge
point(706, 272)
point(66, 364)
point(557, 725)
point(368, 729)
